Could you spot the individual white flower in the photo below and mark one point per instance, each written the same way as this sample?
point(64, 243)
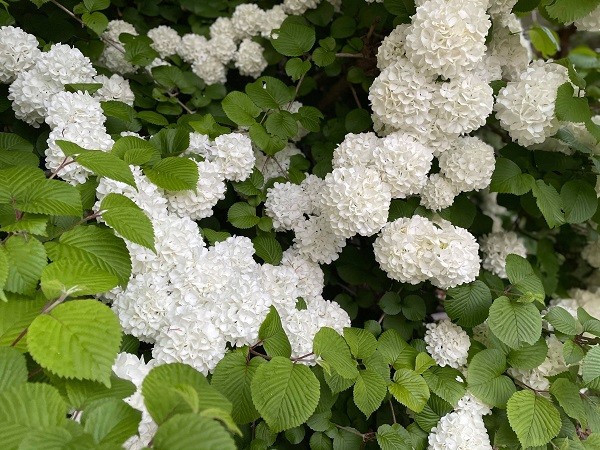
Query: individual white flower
point(73, 107)
point(234, 155)
point(272, 20)
point(447, 343)
point(497, 246)
point(316, 240)
point(281, 284)
point(18, 52)
point(591, 253)
point(299, 7)
point(249, 59)
point(447, 36)
point(277, 165)
point(286, 204)
point(392, 46)
point(197, 204)
point(192, 47)
point(459, 430)
point(525, 108)
point(165, 40)
point(463, 104)
point(468, 164)
point(313, 186)
point(113, 55)
point(355, 200)
point(223, 26)
point(210, 69)
point(589, 22)
point(403, 163)
point(222, 47)
point(114, 88)
point(247, 20)
point(510, 46)
point(355, 150)
point(438, 193)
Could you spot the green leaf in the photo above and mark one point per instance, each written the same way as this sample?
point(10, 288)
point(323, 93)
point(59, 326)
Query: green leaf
point(508, 178)
point(266, 142)
point(187, 431)
point(13, 368)
point(521, 275)
point(3, 272)
point(26, 259)
point(285, 394)
point(533, 418)
point(51, 197)
point(177, 388)
point(343, 27)
point(240, 108)
point(468, 305)
point(410, 389)
point(16, 151)
point(90, 88)
point(138, 49)
point(369, 391)
point(528, 356)
point(390, 303)
point(96, 5)
point(590, 366)
point(213, 236)
point(310, 118)
point(111, 421)
point(443, 382)
point(485, 378)
point(270, 93)
point(233, 377)
point(171, 141)
point(331, 348)
point(579, 200)
point(15, 315)
point(272, 336)
point(96, 21)
point(515, 323)
point(323, 57)
point(242, 215)
point(394, 437)
point(395, 351)
point(544, 40)
point(153, 117)
point(362, 343)
point(14, 142)
point(82, 393)
point(127, 219)
point(281, 124)
point(568, 397)
point(29, 223)
point(566, 11)
point(174, 174)
point(94, 246)
point(563, 321)
point(358, 120)
point(293, 38)
point(29, 407)
point(572, 352)
point(51, 438)
point(79, 339)
point(77, 278)
point(295, 68)
point(268, 248)
point(569, 108)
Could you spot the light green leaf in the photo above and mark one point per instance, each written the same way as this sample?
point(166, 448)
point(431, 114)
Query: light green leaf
point(76, 277)
point(51, 438)
point(272, 336)
point(515, 323)
point(270, 93)
point(533, 418)
point(508, 178)
point(285, 394)
point(174, 174)
point(293, 38)
point(268, 248)
point(568, 397)
point(590, 366)
point(240, 108)
point(521, 275)
point(544, 40)
point(242, 215)
point(549, 203)
point(233, 377)
point(395, 351)
point(78, 339)
point(96, 21)
point(187, 431)
point(369, 391)
point(106, 165)
point(468, 305)
point(566, 11)
point(579, 200)
point(29, 223)
point(443, 382)
point(13, 368)
point(362, 343)
point(51, 197)
point(410, 389)
point(485, 378)
point(15, 315)
point(111, 421)
point(563, 321)
point(393, 437)
point(331, 347)
point(127, 219)
point(528, 356)
point(171, 141)
point(82, 393)
point(26, 258)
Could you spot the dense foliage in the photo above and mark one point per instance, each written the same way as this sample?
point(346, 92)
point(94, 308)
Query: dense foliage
point(334, 224)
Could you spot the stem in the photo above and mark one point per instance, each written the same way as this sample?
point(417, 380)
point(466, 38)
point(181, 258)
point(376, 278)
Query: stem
point(62, 165)
point(187, 110)
point(299, 358)
point(262, 355)
point(350, 430)
point(355, 95)
point(297, 90)
point(66, 10)
point(283, 172)
point(381, 319)
point(393, 412)
point(349, 55)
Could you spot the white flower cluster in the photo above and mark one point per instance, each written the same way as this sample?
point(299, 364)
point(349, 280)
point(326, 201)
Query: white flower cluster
point(589, 22)
point(113, 55)
point(463, 428)
point(581, 298)
point(591, 253)
point(496, 247)
point(191, 301)
point(412, 250)
point(18, 52)
point(447, 343)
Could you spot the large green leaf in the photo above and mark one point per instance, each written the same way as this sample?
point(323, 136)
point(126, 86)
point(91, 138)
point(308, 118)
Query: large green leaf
point(579, 200)
point(134, 150)
point(395, 351)
point(528, 356)
point(267, 247)
point(444, 382)
point(178, 388)
point(269, 93)
point(534, 418)
point(242, 215)
point(331, 347)
point(369, 391)
point(171, 141)
point(95, 246)
point(568, 397)
point(82, 393)
point(549, 202)
point(13, 368)
point(76, 277)
point(174, 174)
point(191, 432)
point(15, 315)
point(394, 437)
point(293, 38)
point(485, 378)
point(285, 394)
point(410, 389)
point(590, 367)
point(28, 407)
point(128, 219)
point(240, 108)
point(273, 337)
point(78, 339)
point(515, 323)
point(508, 178)
point(567, 11)
point(362, 343)
point(563, 321)
point(468, 305)
point(233, 377)
point(26, 258)
point(113, 420)
point(521, 275)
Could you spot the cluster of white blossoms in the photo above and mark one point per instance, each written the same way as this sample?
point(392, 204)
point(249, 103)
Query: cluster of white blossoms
point(497, 246)
point(589, 22)
point(413, 250)
point(447, 343)
point(591, 253)
point(588, 299)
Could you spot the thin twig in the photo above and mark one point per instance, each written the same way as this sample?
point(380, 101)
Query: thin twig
point(349, 55)
point(300, 358)
point(355, 95)
point(262, 355)
point(393, 412)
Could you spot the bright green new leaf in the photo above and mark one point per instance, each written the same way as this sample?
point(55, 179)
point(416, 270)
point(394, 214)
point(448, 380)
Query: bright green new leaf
point(485, 378)
point(410, 389)
point(79, 278)
point(268, 248)
point(240, 108)
point(579, 200)
point(361, 342)
point(272, 336)
point(82, 393)
point(331, 348)
point(78, 339)
point(509, 179)
point(51, 197)
point(242, 215)
point(174, 174)
point(394, 437)
point(544, 40)
point(395, 351)
point(15, 315)
point(534, 418)
point(515, 323)
point(26, 259)
point(293, 38)
point(127, 219)
point(53, 438)
point(468, 304)
point(190, 432)
point(369, 391)
point(13, 368)
point(285, 394)
point(111, 421)
point(521, 275)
